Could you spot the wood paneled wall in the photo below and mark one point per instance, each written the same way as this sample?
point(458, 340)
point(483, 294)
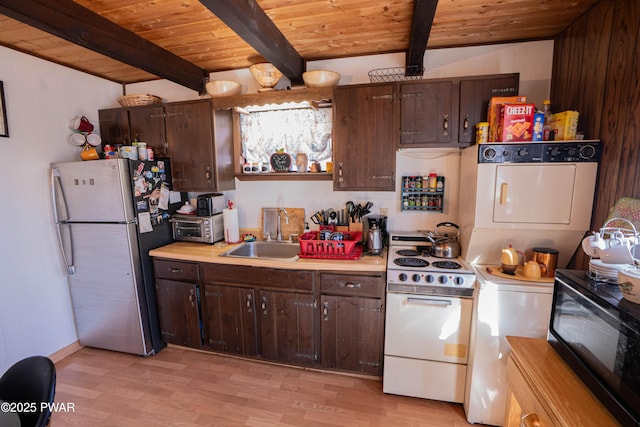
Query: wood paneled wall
point(596, 71)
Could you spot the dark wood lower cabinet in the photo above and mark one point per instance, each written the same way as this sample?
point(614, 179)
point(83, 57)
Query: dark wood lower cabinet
point(178, 309)
point(323, 319)
point(352, 333)
point(230, 314)
point(287, 322)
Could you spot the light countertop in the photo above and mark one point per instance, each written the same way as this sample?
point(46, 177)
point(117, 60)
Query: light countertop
point(202, 252)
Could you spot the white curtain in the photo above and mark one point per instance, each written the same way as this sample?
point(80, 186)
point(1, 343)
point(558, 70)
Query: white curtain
point(296, 130)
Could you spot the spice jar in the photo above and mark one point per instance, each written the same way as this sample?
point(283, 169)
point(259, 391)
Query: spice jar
point(433, 181)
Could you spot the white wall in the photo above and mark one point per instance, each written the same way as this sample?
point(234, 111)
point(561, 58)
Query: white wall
point(533, 60)
point(41, 98)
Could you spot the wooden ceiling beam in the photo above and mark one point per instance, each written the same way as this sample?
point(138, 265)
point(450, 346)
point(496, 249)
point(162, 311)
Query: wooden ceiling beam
point(77, 24)
point(252, 24)
point(423, 13)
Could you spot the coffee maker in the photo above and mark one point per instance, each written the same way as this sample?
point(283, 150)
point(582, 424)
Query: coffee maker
point(375, 241)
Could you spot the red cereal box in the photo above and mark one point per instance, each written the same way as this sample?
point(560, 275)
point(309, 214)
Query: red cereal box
point(516, 122)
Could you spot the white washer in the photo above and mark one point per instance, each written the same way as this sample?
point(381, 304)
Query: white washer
point(503, 307)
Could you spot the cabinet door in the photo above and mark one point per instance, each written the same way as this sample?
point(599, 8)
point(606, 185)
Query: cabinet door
point(190, 139)
point(352, 331)
point(147, 125)
point(427, 114)
point(474, 99)
point(178, 312)
point(114, 126)
point(230, 319)
point(364, 138)
point(287, 327)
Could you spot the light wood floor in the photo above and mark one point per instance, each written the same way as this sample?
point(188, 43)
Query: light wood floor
point(181, 387)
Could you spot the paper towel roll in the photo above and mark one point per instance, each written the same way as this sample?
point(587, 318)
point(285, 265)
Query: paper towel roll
point(231, 229)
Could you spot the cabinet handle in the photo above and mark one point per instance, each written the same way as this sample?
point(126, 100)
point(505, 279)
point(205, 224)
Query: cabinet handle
point(350, 285)
point(175, 270)
point(325, 311)
point(263, 306)
point(529, 420)
point(191, 294)
point(207, 174)
point(340, 178)
point(249, 303)
point(465, 125)
point(445, 124)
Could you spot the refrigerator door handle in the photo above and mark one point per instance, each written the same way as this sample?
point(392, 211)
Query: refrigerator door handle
point(55, 177)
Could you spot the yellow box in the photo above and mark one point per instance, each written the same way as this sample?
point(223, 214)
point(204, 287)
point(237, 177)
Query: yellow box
point(564, 125)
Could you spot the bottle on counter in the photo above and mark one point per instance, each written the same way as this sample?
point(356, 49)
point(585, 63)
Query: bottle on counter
point(546, 129)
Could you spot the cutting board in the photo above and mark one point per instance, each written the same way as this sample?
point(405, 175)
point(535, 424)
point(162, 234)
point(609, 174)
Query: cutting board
point(296, 223)
point(496, 270)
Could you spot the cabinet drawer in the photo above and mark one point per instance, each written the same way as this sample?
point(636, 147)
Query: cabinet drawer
point(526, 396)
point(176, 270)
point(258, 276)
point(351, 284)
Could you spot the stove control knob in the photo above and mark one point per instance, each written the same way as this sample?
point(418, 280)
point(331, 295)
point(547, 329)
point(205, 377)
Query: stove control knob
point(429, 278)
point(443, 279)
point(458, 280)
point(402, 277)
point(415, 277)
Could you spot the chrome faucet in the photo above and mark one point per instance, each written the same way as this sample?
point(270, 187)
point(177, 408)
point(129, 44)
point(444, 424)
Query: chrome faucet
point(286, 221)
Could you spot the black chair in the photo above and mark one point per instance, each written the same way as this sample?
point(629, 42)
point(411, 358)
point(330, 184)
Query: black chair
point(31, 380)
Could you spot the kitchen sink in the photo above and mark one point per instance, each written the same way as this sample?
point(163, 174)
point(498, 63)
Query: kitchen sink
point(281, 251)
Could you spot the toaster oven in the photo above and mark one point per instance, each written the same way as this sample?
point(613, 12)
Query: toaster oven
point(192, 228)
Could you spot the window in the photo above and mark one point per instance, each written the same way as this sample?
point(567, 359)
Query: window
point(294, 127)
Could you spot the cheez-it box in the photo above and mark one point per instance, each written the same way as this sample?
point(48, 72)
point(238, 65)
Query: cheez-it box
point(516, 122)
point(493, 113)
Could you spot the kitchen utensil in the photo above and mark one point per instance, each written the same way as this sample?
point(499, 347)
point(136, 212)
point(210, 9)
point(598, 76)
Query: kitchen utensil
point(629, 284)
point(374, 242)
point(617, 254)
point(531, 269)
point(592, 245)
point(509, 256)
point(509, 268)
point(444, 245)
point(547, 259)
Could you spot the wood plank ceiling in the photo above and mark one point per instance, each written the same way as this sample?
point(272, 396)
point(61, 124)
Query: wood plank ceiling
point(187, 35)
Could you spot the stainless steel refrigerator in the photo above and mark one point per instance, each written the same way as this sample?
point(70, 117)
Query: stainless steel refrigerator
point(109, 214)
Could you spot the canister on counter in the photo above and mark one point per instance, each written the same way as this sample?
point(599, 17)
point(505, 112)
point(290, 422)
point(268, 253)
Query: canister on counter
point(482, 133)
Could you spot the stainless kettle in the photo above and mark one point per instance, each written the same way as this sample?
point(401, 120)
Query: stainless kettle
point(374, 243)
point(444, 245)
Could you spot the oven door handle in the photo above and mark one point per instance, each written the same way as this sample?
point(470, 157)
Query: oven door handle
point(428, 301)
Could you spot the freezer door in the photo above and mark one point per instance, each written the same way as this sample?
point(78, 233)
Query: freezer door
point(93, 191)
point(107, 289)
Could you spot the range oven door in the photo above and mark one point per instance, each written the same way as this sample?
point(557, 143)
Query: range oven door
point(426, 346)
point(428, 327)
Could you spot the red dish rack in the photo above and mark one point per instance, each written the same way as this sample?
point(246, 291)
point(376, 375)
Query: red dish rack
point(312, 247)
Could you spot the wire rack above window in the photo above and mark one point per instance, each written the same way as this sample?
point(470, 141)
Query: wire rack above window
point(396, 74)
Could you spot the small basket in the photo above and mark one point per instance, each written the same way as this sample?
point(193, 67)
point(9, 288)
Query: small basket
point(139, 100)
point(312, 247)
point(396, 74)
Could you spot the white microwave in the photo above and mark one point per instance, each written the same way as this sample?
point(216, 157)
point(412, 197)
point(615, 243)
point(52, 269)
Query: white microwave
point(192, 228)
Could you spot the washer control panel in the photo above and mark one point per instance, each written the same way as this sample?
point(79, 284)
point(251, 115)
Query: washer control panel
point(540, 152)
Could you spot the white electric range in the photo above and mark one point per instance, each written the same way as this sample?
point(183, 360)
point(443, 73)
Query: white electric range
point(428, 321)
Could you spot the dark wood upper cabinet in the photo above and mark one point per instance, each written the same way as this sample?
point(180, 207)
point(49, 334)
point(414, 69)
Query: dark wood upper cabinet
point(475, 95)
point(198, 142)
point(427, 113)
point(364, 138)
point(445, 112)
point(147, 125)
point(114, 126)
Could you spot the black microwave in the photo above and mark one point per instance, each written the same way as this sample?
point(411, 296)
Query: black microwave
point(597, 333)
